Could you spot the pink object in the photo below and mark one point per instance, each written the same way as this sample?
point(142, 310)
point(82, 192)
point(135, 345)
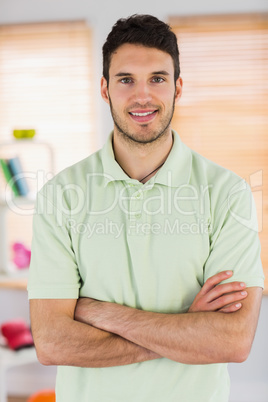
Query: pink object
point(17, 334)
point(22, 255)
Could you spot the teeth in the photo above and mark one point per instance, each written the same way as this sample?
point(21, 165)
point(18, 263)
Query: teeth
point(142, 114)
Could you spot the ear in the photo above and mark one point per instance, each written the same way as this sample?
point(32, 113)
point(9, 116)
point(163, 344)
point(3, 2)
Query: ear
point(178, 90)
point(104, 90)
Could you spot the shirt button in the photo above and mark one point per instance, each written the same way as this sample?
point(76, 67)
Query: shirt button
point(137, 216)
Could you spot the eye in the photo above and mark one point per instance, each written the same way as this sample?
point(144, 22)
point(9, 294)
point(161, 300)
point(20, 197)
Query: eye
point(158, 79)
point(126, 80)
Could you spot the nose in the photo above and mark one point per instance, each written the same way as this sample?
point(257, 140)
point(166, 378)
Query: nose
point(142, 93)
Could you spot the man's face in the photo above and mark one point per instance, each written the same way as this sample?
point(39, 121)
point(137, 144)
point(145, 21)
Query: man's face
point(141, 92)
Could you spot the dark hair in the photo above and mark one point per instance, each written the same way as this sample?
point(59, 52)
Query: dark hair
point(145, 30)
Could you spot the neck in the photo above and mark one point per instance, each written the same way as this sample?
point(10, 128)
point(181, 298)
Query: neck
point(139, 160)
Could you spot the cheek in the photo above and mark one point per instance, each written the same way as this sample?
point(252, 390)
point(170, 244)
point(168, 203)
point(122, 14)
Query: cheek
point(164, 95)
point(120, 97)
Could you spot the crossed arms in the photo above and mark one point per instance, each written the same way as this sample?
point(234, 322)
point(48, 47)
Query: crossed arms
point(218, 327)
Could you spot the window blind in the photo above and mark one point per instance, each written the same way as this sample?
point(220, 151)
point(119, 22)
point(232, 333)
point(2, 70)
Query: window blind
point(46, 80)
point(223, 110)
point(46, 84)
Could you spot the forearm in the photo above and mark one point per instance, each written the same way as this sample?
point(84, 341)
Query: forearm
point(186, 338)
point(191, 338)
point(86, 346)
point(60, 340)
point(199, 338)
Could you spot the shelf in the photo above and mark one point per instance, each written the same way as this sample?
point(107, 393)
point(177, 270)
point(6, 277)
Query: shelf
point(9, 200)
point(10, 359)
point(21, 205)
point(14, 282)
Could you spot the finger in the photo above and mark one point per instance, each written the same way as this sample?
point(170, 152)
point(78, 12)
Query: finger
point(232, 308)
point(227, 299)
point(215, 280)
point(225, 288)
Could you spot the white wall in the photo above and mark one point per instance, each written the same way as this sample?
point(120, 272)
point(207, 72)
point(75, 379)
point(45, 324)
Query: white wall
point(250, 379)
point(102, 14)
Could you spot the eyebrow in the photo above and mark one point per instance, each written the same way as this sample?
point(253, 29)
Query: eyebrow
point(122, 74)
point(161, 72)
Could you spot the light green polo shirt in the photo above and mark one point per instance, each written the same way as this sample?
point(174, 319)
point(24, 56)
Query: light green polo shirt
point(101, 234)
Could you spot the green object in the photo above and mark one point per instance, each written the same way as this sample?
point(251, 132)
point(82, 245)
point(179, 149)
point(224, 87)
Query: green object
point(19, 134)
point(8, 176)
point(147, 247)
point(15, 168)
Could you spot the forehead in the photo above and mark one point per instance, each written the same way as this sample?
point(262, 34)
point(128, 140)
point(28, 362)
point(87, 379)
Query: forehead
point(133, 58)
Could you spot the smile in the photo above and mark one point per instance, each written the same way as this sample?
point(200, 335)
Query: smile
point(142, 114)
point(143, 117)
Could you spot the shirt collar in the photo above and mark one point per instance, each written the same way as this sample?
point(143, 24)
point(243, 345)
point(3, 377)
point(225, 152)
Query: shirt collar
point(175, 172)
point(111, 169)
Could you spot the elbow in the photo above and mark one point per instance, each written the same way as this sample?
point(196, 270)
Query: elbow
point(241, 351)
point(239, 357)
point(45, 360)
point(243, 355)
point(45, 354)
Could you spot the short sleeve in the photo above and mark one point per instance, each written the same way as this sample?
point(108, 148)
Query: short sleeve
point(53, 269)
point(234, 240)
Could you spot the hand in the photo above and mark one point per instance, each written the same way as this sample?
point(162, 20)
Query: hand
point(214, 297)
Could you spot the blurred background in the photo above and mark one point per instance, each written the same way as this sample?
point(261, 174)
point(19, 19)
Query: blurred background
point(50, 71)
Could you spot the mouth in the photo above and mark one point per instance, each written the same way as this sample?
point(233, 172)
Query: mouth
point(143, 116)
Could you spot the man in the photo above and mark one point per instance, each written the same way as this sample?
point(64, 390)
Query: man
point(142, 252)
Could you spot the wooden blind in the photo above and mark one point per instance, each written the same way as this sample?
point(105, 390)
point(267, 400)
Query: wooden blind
point(46, 84)
point(223, 111)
